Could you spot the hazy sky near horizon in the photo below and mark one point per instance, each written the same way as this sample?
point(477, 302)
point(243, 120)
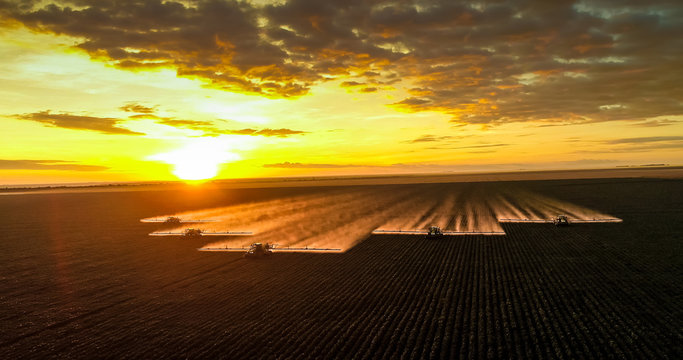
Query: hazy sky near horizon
point(104, 90)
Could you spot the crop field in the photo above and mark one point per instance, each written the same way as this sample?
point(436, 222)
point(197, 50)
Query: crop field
point(81, 278)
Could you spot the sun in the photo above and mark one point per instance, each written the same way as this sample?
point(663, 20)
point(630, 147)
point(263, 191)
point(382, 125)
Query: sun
point(198, 160)
point(189, 169)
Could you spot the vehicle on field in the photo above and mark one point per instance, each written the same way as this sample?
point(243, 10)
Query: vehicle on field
point(173, 220)
point(434, 232)
point(562, 220)
point(261, 250)
point(194, 232)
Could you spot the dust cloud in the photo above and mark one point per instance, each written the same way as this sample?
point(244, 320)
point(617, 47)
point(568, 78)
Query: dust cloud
point(344, 217)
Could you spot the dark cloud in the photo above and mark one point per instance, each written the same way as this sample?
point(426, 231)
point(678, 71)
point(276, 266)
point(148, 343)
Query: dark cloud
point(138, 108)
point(351, 84)
point(450, 142)
point(412, 103)
point(78, 122)
point(47, 165)
point(485, 62)
point(430, 138)
point(108, 125)
point(361, 86)
point(217, 41)
point(209, 128)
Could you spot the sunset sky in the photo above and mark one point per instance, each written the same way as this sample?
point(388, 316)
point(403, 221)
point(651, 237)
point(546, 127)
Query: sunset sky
point(132, 90)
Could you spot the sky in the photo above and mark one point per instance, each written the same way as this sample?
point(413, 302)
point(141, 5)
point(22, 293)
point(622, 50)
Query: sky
point(131, 90)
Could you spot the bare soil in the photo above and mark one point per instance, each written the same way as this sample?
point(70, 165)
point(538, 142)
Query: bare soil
point(80, 278)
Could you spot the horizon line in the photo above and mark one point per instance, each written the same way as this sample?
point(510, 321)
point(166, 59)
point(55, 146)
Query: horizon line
point(321, 177)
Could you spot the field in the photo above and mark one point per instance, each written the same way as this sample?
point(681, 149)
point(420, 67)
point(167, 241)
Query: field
point(80, 278)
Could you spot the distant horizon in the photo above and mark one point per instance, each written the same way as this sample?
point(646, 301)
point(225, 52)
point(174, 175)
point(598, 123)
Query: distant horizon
point(275, 179)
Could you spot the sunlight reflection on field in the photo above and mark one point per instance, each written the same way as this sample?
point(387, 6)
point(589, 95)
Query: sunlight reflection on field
point(344, 217)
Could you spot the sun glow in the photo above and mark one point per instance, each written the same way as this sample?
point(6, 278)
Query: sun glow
point(199, 160)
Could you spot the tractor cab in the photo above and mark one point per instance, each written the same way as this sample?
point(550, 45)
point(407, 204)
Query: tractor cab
point(172, 220)
point(561, 220)
point(193, 232)
point(259, 250)
point(434, 232)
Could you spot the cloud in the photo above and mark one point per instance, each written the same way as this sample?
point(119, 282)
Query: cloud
point(479, 146)
point(210, 129)
point(369, 89)
point(411, 103)
point(47, 165)
point(448, 142)
point(425, 167)
point(636, 144)
point(216, 41)
point(485, 62)
point(647, 139)
point(657, 123)
point(78, 122)
point(430, 138)
point(108, 125)
point(138, 108)
point(474, 149)
point(296, 165)
point(265, 132)
point(351, 84)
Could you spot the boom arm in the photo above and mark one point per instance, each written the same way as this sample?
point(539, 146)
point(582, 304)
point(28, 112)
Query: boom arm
point(227, 233)
point(283, 250)
point(425, 232)
point(587, 221)
point(186, 221)
point(573, 221)
point(536, 221)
